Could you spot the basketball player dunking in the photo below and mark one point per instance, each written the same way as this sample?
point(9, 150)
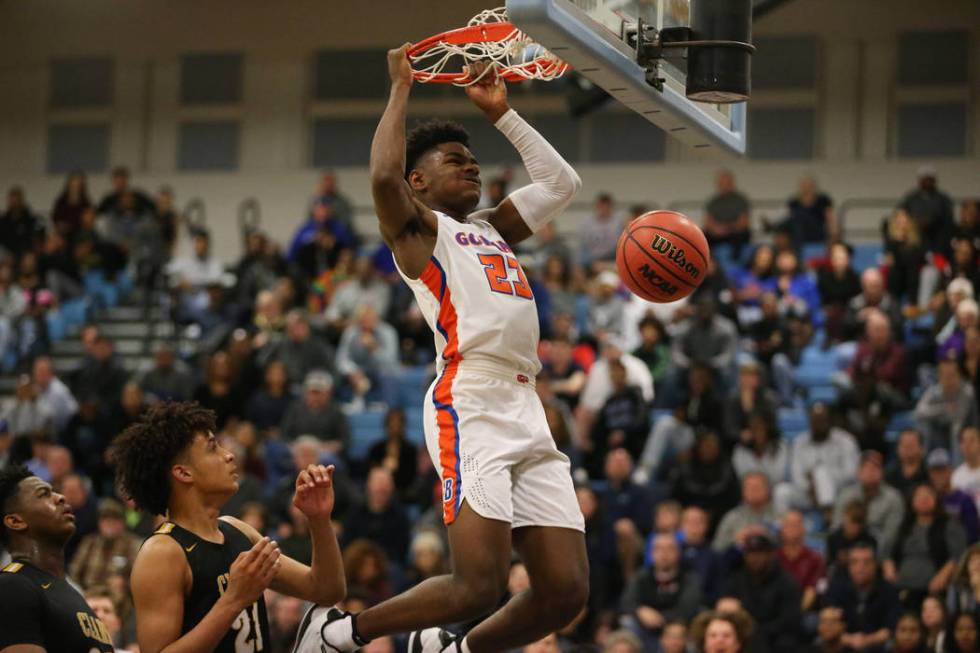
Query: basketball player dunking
point(197, 583)
point(504, 482)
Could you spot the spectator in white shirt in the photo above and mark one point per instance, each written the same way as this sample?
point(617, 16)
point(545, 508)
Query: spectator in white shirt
point(192, 275)
point(52, 391)
point(198, 271)
point(823, 461)
point(966, 478)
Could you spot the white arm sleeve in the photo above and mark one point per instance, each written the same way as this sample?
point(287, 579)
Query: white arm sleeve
point(553, 181)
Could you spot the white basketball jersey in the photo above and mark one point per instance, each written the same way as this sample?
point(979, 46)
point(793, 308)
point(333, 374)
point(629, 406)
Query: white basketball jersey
point(476, 299)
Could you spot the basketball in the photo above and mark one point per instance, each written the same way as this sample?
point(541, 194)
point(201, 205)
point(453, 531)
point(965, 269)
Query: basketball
point(662, 256)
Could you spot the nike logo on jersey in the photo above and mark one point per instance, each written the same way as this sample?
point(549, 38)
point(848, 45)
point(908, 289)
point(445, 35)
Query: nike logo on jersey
point(191, 547)
point(45, 585)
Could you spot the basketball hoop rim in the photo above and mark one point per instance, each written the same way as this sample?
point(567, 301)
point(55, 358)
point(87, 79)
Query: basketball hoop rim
point(480, 33)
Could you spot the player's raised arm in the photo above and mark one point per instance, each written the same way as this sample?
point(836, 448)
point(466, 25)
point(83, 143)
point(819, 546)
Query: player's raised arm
point(397, 209)
point(553, 181)
point(323, 582)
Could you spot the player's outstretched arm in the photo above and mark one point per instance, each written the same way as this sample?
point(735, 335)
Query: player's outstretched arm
point(394, 203)
point(553, 181)
point(158, 584)
point(323, 582)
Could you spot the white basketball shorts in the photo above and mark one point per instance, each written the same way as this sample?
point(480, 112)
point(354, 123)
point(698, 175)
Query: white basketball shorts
point(487, 434)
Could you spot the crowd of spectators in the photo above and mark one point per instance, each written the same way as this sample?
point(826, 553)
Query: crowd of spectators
point(708, 520)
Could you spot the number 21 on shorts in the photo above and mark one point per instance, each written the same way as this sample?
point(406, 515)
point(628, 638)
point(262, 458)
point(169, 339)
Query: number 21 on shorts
point(498, 268)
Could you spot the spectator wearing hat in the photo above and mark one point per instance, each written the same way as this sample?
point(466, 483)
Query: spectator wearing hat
point(966, 477)
point(870, 604)
point(768, 593)
point(946, 407)
point(317, 414)
point(885, 505)
point(823, 461)
point(959, 506)
point(805, 565)
point(110, 550)
point(662, 592)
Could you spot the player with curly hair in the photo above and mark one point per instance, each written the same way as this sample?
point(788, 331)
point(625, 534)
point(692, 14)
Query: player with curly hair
point(198, 580)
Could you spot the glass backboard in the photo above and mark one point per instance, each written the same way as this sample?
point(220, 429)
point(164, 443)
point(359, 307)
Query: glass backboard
point(589, 35)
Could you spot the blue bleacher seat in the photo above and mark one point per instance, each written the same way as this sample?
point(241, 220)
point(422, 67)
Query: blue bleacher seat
point(414, 430)
point(413, 385)
point(899, 422)
point(366, 427)
point(813, 250)
point(866, 255)
point(825, 393)
point(792, 422)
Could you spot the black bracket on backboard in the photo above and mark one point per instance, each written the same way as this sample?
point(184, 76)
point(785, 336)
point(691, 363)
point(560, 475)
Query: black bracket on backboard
point(653, 46)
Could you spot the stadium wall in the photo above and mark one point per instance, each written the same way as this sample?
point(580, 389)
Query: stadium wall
point(854, 99)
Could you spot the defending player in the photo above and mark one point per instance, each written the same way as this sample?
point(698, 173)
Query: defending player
point(39, 611)
point(504, 481)
point(197, 583)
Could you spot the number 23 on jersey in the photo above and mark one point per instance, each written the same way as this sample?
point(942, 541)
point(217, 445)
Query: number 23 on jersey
point(498, 269)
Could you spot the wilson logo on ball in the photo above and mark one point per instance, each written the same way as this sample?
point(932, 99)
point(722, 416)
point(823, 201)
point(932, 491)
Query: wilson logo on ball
point(675, 254)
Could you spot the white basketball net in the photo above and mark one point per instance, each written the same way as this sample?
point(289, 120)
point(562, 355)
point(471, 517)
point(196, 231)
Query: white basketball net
point(512, 54)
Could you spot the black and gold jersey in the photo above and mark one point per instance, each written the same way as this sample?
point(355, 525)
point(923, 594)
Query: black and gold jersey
point(39, 609)
point(209, 564)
